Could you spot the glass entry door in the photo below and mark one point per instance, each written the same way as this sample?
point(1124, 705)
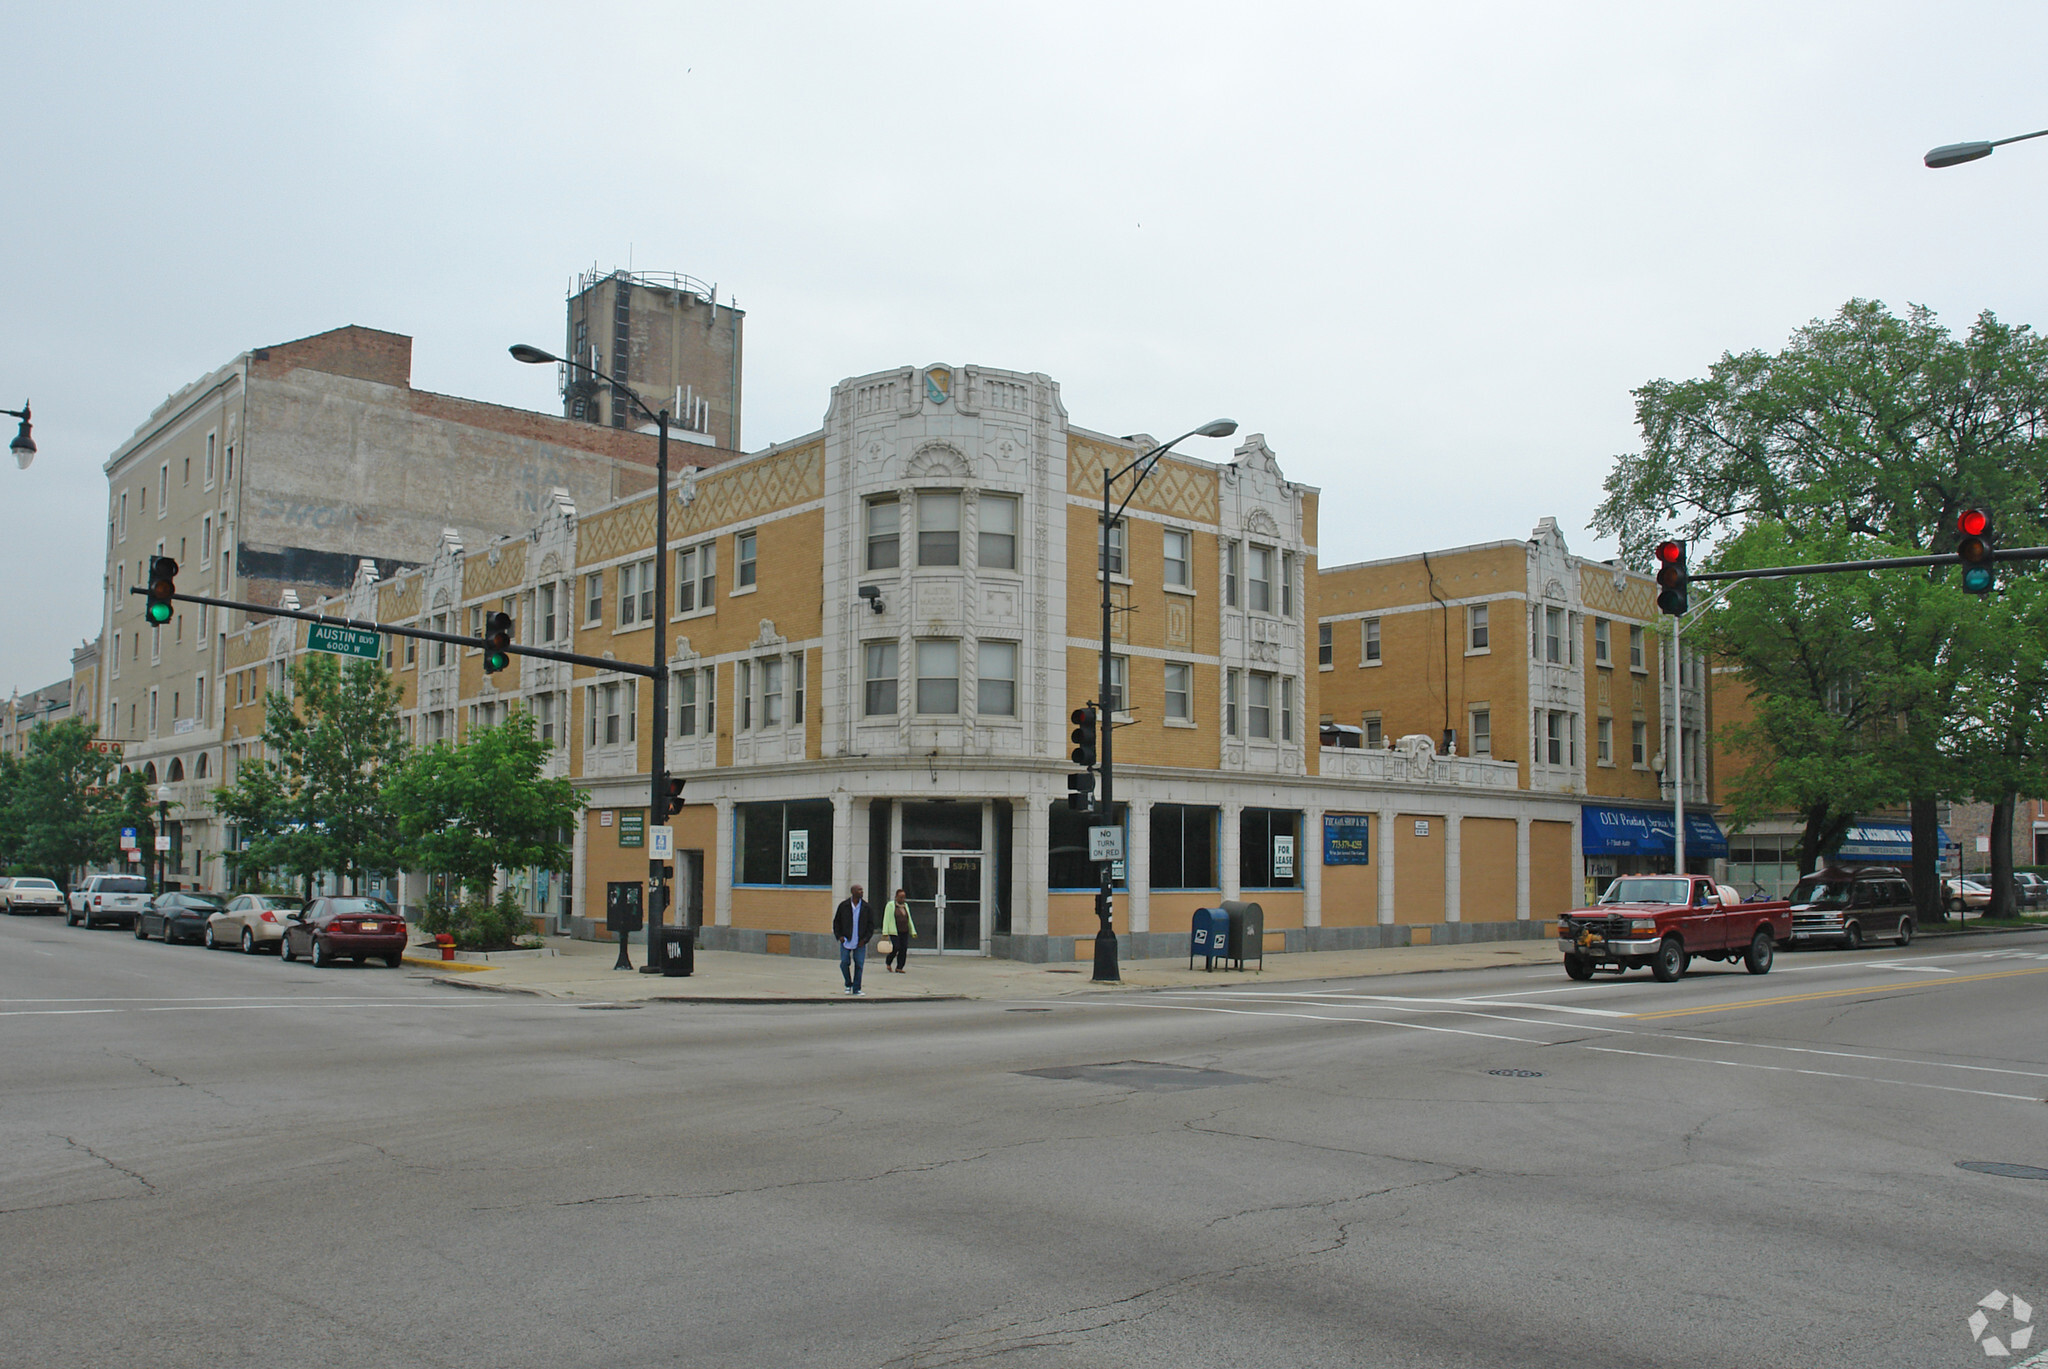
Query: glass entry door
point(945, 901)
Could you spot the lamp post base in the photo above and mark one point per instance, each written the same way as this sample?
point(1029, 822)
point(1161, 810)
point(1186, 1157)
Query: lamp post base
point(1105, 957)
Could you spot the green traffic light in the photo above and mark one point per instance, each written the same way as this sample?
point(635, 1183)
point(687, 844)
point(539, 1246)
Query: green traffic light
point(495, 661)
point(1977, 580)
point(158, 613)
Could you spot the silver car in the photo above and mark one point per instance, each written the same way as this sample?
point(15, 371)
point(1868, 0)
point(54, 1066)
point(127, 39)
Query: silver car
point(254, 922)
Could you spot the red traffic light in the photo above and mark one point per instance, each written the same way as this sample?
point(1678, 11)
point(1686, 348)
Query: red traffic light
point(1973, 522)
point(1670, 553)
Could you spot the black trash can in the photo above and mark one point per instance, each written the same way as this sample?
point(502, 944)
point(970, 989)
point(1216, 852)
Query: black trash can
point(1247, 936)
point(678, 951)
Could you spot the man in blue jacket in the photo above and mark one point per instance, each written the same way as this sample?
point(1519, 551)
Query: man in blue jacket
point(853, 925)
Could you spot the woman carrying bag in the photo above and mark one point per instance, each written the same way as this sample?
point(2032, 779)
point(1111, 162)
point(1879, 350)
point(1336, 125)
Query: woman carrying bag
point(898, 927)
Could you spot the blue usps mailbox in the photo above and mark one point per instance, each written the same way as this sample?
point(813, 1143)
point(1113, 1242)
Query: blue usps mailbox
point(1209, 937)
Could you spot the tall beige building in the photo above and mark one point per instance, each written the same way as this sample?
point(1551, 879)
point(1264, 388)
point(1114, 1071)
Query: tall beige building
point(271, 480)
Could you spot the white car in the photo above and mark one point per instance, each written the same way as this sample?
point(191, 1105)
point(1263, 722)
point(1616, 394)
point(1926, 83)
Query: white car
point(118, 899)
point(31, 895)
point(1967, 893)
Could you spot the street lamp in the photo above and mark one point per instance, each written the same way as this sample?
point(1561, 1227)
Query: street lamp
point(23, 446)
point(657, 806)
point(1955, 154)
point(163, 830)
point(1105, 936)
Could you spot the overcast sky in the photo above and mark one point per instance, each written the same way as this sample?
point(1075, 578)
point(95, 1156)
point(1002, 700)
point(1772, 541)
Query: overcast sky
point(1427, 250)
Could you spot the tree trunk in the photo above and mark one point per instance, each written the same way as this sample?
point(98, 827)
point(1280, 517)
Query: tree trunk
point(2002, 903)
point(1928, 893)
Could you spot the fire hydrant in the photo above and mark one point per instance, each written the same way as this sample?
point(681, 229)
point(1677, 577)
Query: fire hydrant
point(447, 945)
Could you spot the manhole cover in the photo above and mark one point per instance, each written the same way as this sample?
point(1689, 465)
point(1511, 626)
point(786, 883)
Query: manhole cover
point(1146, 1075)
point(1518, 1074)
point(610, 1007)
point(2002, 1169)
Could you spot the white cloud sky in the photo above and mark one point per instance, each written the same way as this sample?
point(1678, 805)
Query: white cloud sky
point(1428, 250)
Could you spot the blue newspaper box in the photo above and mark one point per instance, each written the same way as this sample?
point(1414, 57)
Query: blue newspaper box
point(1209, 937)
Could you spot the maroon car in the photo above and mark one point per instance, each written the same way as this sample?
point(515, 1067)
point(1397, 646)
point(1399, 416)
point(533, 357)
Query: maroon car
point(331, 929)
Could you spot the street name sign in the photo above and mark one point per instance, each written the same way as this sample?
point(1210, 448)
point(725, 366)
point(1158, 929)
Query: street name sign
point(343, 641)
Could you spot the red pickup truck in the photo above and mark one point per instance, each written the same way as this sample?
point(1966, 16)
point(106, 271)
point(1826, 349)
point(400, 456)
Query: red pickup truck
point(1663, 921)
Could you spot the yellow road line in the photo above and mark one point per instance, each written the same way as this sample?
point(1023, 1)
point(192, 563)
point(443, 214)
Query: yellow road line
point(1837, 993)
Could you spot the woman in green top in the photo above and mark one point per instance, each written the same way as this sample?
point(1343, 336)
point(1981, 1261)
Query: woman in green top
point(897, 926)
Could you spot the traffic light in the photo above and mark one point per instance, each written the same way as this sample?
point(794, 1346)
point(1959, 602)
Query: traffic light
point(1081, 791)
point(163, 583)
point(497, 642)
point(1672, 578)
point(672, 792)
point(1084, 736)
point(1973, 549)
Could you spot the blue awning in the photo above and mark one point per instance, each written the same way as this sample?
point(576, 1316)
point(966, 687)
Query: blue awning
point(1881, 841)
point(1609, 831)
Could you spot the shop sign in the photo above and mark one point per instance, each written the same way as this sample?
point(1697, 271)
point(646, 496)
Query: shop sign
point(1347, 838)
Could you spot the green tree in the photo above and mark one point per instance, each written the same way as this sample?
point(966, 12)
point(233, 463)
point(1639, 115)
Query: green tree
point(1873, 430)
point(315, 802)
point(61, 814)
point(486, 805)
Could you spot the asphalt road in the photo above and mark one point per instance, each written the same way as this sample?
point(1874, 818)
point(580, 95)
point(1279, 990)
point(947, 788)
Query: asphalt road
point(209, 1160)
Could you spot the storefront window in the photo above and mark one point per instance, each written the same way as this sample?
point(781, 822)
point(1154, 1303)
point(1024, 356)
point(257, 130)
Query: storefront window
point(784, 843)
point(1183, 847)
point(1269, 848)
point(1066, 864)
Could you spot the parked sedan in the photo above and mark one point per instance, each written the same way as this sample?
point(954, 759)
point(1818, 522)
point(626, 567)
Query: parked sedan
point(2033, 890)
point(255, 922)
point(31, 895)
point(345, 929)
point(1967, 893)
point(175, 917)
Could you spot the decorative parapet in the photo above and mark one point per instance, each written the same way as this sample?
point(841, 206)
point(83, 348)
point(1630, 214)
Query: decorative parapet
point(1414, 761)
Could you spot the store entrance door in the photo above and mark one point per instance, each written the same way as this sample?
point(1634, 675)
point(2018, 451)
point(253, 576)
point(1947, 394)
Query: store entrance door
point(945, 901)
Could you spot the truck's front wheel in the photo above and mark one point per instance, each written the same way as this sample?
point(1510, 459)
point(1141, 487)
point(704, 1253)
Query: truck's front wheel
point(1761, 952)
point(1578, 967)
point(1669, 962)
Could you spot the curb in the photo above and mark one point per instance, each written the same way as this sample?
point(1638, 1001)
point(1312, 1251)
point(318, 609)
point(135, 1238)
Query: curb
point(474, 987)
point(834, 998)
point(445, 966)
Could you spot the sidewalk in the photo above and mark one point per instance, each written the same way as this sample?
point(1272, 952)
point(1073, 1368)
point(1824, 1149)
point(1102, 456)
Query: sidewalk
point(583, 970)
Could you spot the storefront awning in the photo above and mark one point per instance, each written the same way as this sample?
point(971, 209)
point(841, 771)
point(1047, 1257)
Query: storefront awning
point(1881, 841)
point(1606, 831)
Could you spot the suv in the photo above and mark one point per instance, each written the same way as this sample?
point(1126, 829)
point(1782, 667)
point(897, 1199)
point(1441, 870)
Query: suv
point(108, 898)
point(1852, 905)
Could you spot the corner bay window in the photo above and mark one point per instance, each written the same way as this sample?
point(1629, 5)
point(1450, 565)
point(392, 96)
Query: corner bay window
point(883, 533)
point(881, 680)
point(784, 843)
point(996, 687)
point(938, 529)
point(997, 549)
point(1268, 849)
point(938, 677)
point(1183, 847)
